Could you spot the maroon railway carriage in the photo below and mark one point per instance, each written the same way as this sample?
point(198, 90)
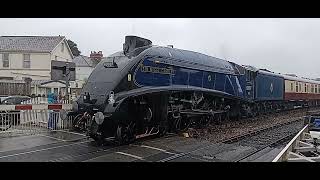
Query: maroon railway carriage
point(304, 91)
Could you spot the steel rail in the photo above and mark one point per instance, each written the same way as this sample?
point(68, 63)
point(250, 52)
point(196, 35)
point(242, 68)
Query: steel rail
point(229, 140)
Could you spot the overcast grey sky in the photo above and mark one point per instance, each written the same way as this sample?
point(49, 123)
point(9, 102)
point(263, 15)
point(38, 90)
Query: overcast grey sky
point(280, 45)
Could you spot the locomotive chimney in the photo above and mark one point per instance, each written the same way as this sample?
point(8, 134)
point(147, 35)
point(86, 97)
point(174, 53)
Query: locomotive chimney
point(134, 42)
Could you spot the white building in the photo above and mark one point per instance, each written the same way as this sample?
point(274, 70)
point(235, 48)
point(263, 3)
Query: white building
point(84, 67)
point(30, 57)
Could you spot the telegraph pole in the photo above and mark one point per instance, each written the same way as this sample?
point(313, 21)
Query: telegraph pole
point(67, 80)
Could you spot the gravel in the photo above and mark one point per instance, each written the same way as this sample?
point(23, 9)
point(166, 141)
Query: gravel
point(218, 133)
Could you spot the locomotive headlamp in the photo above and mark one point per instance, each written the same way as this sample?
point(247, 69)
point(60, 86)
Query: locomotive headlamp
point(99, 118)
point(111, 98)
point(75, 106)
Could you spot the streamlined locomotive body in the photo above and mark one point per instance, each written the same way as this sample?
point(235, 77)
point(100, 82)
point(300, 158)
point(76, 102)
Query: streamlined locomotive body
point(149, 90)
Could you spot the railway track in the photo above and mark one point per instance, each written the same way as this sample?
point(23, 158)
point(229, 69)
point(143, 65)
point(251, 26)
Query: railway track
point(104, 150)
point(83, 151)
point(268, 136)
point(77, 151)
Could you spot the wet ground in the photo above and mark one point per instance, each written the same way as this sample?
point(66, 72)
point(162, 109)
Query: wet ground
point(65, 146)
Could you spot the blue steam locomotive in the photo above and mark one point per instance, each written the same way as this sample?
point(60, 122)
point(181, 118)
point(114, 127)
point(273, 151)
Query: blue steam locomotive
point(149, 90)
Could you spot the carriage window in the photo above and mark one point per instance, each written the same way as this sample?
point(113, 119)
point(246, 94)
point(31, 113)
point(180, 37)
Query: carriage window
point(305, 87)
point(299, 87)
point(296, 86)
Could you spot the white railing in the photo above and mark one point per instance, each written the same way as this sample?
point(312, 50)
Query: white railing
point(25, 122)
point(44, 100)
point(304, 147)
point(284, 154)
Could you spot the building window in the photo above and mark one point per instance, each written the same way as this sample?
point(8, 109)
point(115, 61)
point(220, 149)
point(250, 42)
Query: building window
point(296, 86)
point(26, 60)
point(5, 60)
point(55, 90)
point(291, 86)
point(316, 88)
point(62, 47)
point(6, 78)
point(312, 88)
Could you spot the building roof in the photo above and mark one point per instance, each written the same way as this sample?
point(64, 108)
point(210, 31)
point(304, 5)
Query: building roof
point(43, 82)
point(84, 61)
point(29, 43)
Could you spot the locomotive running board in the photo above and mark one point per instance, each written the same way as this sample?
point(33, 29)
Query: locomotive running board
point(199, 112)
point(158, 89)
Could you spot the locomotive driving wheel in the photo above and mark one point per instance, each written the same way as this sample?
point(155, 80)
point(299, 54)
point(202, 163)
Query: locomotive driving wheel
point(80, 122)
point(125, 134)
point(181, 124)
point(205, 121)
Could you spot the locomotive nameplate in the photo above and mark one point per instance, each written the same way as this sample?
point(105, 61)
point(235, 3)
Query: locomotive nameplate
point(152, 69)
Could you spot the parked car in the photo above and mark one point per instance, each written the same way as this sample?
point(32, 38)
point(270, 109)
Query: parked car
point(13, 100)
point(2, 97)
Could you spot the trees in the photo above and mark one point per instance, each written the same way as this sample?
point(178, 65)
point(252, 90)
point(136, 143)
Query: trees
point(74, 48)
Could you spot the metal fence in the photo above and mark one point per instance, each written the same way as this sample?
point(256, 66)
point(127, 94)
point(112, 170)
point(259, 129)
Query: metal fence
point(11, 87)
point(28, 122)
point(44, 100)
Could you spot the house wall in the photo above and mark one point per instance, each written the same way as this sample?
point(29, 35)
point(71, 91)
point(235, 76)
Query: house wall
point(39, 66)
point(59, 55)
point(40, 63)
point(83, 73)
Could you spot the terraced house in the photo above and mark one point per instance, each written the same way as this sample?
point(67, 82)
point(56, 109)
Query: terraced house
point(24, 57)
point(31, 56)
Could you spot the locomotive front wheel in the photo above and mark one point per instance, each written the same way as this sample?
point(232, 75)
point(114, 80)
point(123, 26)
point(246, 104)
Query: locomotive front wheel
point(124, 134)
point(162, 131)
